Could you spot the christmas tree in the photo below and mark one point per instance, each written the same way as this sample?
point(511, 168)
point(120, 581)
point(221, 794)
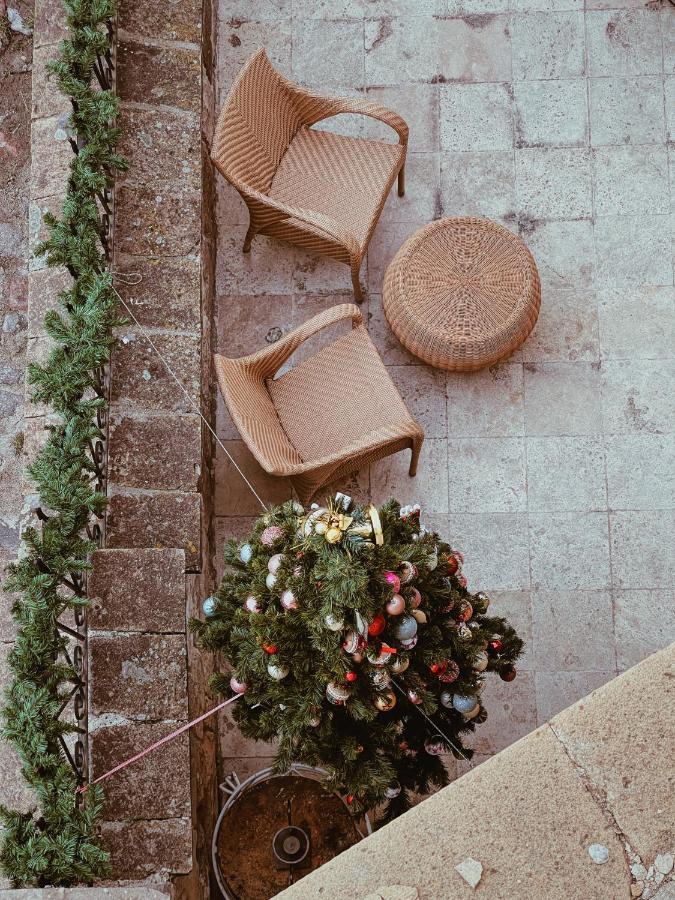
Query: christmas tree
point(355, 644)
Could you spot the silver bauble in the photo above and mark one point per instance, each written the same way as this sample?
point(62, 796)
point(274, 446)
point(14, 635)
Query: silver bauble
point(405, 628)
point(277, 672)
point(399, 665)
point(333, 623)
point(446, 699)
point(246, 553)
point(393, 790)
point(464, 703)
point(480, 663)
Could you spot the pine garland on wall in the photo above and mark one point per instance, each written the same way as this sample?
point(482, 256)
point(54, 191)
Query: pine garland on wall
point(57, 844)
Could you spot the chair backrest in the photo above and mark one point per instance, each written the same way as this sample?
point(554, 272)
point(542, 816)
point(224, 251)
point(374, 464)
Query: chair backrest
point(257, 123)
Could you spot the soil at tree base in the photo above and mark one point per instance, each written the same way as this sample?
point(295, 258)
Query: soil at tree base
point(247, 863)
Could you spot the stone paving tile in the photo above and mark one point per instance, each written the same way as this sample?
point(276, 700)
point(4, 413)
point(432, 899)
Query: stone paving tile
point(422, 195)
point(328, 57)
point(562, 398)
point(547, 45)
point(629, 180)
point(240, 38)
point(644, 621)
point(551, 113)
point(572, 630)
point(569, 550)
point(637, 395)
point(512, 713)
point(565, 474)
point(626, 110)
point(633, 250)
point(495, 546)
point(625, 42)
point(488, 403)
point(389, 477)
point(478, 184)
point(475, 48)
point(516, 606)
point(669, 87)
point(418, 104)
point(554, 182)
point(487, 475)
point(641, 547)
point(648, 485)
point(476, 117)
point(555, 691)
point(637, 324)
point(563, 250)
point(567, 328)
point(424, 390)
point(393, 50)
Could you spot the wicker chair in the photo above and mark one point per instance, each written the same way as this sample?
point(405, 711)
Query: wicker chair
point(322, 191)
point(330, 415)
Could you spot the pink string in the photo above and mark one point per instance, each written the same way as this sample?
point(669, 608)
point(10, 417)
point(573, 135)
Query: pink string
point(169, 737)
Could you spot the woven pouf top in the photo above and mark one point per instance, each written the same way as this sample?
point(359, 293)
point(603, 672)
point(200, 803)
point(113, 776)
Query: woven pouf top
point(462, 293)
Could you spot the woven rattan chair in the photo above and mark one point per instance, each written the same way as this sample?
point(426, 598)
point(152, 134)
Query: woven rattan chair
point(322, 191)
point(330, 415)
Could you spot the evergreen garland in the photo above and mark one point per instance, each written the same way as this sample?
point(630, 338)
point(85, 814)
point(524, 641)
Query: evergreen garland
point(57, 843)
point(366, 659)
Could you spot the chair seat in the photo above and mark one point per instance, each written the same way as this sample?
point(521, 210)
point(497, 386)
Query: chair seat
point(337, 396)
point(345, 178)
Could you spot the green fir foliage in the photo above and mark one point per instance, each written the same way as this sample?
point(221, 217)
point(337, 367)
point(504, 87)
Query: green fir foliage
point(371, 755)
point(57, 843)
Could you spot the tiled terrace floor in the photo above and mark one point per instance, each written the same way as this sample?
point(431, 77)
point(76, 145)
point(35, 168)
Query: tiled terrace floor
point(554, 472)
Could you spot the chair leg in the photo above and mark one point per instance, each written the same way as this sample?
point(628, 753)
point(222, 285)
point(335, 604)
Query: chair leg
point(356, 282)
point(414, 458)
point(401, 181)
point(250, 234)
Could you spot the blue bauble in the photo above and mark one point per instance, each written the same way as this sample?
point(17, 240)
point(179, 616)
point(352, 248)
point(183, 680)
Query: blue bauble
point(245, 553)
point(406, 628)
point(209, 607)
point(464, 703)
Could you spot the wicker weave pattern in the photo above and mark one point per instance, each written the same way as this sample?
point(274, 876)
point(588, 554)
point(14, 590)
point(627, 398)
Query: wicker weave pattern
point(462, 293)
point(329, 416)
point(321, 191)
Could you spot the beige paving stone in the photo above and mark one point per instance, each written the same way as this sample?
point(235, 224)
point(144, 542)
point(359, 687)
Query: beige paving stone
point(389, 478)
point(312, 272)
point(392, 50)
point(633, 250)
point(551, 113)
point(476, 117)
point(263, 9)
point(478, 184)
point(230, 208)
point(475, 48)
point(159, 453)
point(383, 245)
point(572, 630)
point(641, 544)
point(563, 250)
point(635, 786)
point(496, 548)
point(547, 45)
point(668, 35)
point(630, 180)
point(423, 389)
point(232, 496)
point(328, 9)
point(246, 325)
point(565, 474)
point(486, 403)
point(562, 398)
point(487, 474)
point(535, 780)
point(626, 110)
point(546, 5)
point(569, 550)
point(636, 396)
point(404, 7)
point(140, 378)
point(422, 195)
point(161, 20)
point(240, 38)
point(388, 346)
point(512, 713)
point(557, 690)
point(648, 485)
point(554, 182)
point(418, 104)
point(625, 42)
point(644, 621)
point(266, 269)
point(566, 330)
point(327, 57)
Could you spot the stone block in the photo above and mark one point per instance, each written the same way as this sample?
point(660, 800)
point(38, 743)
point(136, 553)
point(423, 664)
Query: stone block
point(572, 630)
point(569, 550)
point(418, 104)
point(389, 477)
point(636, 324)
point(330, 57)
point(477, 184)
point(642, 548)
point(141, 380)
point(51, 156)
point(46, 100)
point(137, 590)
point(239, 38)
point(554, 183)
point(551, 113)
point(163, 220)
point(566, 474)
point(164, 20)
point(548, 45)
point(624, 42)
point(562, 398)
point(162, 147)
point(567, 328)
point(168, 294)
point(393, 50)
point(500, 564)
point(633, 251)
point(476, 117)
point(630, 180)
point(7, 625)
point(488, 403)
point(44, 286)
point(169, 76)
point(474, 48)
point(644, 621)
point(626, 110)
point(160, 453)
point(49, 25)
point(156, 787)
point(637, 395)
point(141, 849)
point(139, 676)
point(159, 520)
point(487, 475)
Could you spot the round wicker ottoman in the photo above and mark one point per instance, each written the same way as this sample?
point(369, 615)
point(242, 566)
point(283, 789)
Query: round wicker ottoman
point(462, 293)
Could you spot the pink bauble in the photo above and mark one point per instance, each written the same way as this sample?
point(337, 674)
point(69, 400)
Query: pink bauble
point(450, 673)
point(462, 580)
point(415, 598)
point(251, 604)
point(239, 687)
point(274, 563)
point(459, 555)
point(297, 572)
point(288, 600)
point(393, 580)
point(396, 605)
point(271, 535)
point(414, 697)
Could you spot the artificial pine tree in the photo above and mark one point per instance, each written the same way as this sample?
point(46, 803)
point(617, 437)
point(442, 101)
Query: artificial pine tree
point(355, 644)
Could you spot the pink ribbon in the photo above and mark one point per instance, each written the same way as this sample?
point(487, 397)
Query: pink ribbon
point(165, 740)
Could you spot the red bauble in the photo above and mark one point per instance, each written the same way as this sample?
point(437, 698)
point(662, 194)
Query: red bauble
point(269, 648)
point(377, 625)
point(404, 745)
point(351, 676)
point(349, 799)
point(508, 673)
point(438, 668)
point(359, 748)
point(453, 565)
point(495, 645)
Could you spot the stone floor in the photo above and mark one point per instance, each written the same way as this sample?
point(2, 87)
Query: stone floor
point(554, 472)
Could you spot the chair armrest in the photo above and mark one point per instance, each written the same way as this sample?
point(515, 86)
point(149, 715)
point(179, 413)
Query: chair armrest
point(321, 107)
point(363, 445)
point(265, 363)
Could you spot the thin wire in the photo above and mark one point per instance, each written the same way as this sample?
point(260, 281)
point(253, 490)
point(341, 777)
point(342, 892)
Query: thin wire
point(432, 723)
point(179, 383)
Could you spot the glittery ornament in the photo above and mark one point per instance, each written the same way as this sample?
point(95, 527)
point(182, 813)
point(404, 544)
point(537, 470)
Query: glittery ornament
point(408, 572)
point(414, 697)
point(405, 629)
point(333, 623)
point(270, 580)
point(351, 642)
point(461, 579)
point(288, 600)
point(333, 535)
point(508, 673)
point(464, 632)
point(396, 605)
point(351, 676)
point(415, 597)
point(446, 699)
point(438, 667)
point(239, 687)
point(337, 694)
point(246, 553)
point(409, 645)
point(434, 747)
point(251, 604)
point(419, 616)
point(380, 678)
point(378, 659)
point(270, 648)
point(399, 665)
point(271, 535)
point(495, 645)
point(277, 672)
point(483, 600)
point(432, 561)
point(393, 581)
point(314, 722)
point(274, 563)
point(411, 511)
point(377, 626)
point(209, 607)
point(480, 663)
point(452, 565)
point(451, 672)
point(464, 612)
point(385, 701)
point(464, 703)
point(321, 527)
point(393, 790)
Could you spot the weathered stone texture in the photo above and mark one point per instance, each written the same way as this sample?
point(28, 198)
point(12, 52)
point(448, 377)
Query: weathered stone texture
point(44, 287)
point(170, 77)
point(167, 294)
point(139, 676)
point(161, 220)
point(137, 590)
point(46, 100)
point(139, 849)
point(162, 145)
point(51, 155)
point(156, 520)
point(49, 25)
point(156, 453)
point(161, 19)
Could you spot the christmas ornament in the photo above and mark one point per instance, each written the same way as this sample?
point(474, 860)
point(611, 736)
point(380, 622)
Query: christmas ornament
point(414, 697)
point(414, 597)
point(480, 663)
point(411, 511)
point(434, 747)
point(274, 563)
point(351, 676)
point(271, 535)
point(351, 642)
point(393, 581)
point(377, 626)
point(385, 701)
point(239, 687)
point(432, 561)
point(472, 714)
point(209, 606)
point(483, 600)
point(507, 673)
point(408, 572)
point(381, 678)
point(337, 694)
point(349, 799)
point(405, 629)
point(438, 668)
point(333, 623)
point(251, 604)
point(321, 527)
point(333, 535)
point(298, 508)
point(270, 580)
point(495, 645)
point(419, 616)
point(464, 703)
point(465, 611)
point(462, 580)
point(361, 624)
point(400, 664)
point(393, 790)
point(314, 722)
point(446, 699)
point(277, 672)
point(246, 553)
point(378, 659)
point(452, 565)
point(464, 632)
point(270, 648)
point(297, 572)
point(343, 501)
point(451, 672)
point(288, 600)
point(409, 645)
point(396, 605)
